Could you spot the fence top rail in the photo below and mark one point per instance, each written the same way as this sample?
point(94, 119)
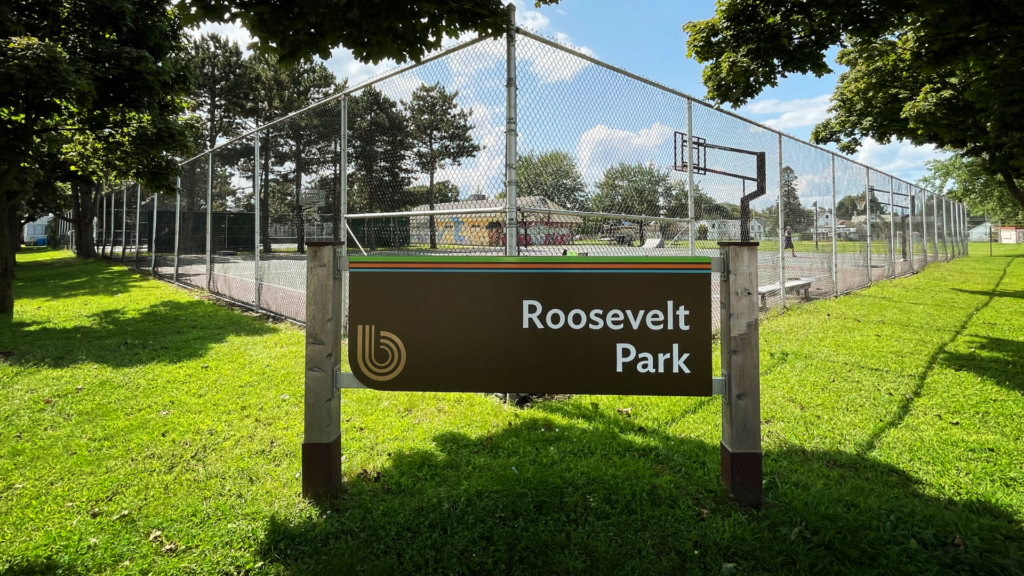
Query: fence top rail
point(603, 215)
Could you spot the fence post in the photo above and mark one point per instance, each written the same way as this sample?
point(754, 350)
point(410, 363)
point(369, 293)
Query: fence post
point(256, 214)
point(343, 210)
point(152, 252)
point(892, 225)
point(321, 440)
point(911, 196)
point(935, 223)
point(124, 222)
point(945, 232)
point(177, 227)
point(209, 218)
point(741, 464)
point(835, 245)
point(782, 235)
point(511, 118)
point(138, 224)
point(867, 214)
point(103, 229)
point(966, 234)
point(689, 175)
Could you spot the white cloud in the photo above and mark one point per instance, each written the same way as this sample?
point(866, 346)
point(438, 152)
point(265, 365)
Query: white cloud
point(601, 147)
point(230, 30)
point(796, 113)
point(901, 159)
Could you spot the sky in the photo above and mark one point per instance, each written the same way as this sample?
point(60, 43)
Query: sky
point(571, 105)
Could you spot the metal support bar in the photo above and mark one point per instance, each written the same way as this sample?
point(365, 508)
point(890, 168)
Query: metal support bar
point(689, 176)
point(124, 222)
point(511, 137)
point(782, 232)
point(343, 208)
point(835, 246)
point(177, 228)
point(256, 202)
point(892, 228)
point(867, 208)
point(152, 252)
point(209, 220)
point(138, 224)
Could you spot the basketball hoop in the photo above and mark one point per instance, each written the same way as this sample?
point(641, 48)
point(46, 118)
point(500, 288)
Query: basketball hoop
point(861, 202)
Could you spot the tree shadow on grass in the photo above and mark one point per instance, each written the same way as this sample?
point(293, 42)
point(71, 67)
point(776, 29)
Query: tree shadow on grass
point(168, 331)
point(73, 277)
point(997, 359)
point(605, 496)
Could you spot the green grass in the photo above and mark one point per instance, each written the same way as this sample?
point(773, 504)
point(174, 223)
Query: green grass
point(893, 435)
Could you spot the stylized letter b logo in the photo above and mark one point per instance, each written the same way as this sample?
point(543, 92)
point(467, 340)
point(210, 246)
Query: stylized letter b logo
point(367, 359)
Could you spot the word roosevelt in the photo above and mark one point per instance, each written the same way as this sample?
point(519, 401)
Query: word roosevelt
point(672, 317)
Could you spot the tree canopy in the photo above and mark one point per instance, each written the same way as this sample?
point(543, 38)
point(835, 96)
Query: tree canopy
point(84, 85)
point(940, 72)
point(373, 30)
point(965, 180)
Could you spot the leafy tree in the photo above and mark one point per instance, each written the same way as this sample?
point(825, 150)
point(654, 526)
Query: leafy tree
point(444, 191)
point(796, 216)
point(379, 149)
point(440, 133)
point(71, 68)
point(552, 175)
point(218, 87)
point(373, 30)
point(965, 180)
point(634, 189)
point(924, 71)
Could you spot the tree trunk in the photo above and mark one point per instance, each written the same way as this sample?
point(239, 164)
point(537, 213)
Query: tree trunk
point(1015, 192)
point(6, 258)
point(430, 203)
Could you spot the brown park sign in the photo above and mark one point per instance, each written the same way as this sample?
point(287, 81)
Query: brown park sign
point(592, 325)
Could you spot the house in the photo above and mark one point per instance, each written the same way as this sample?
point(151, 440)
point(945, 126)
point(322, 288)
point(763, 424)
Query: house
point(1011, 234)
point(980, 233)
point(488, 229)
point(34, 231)
point(730, 229)
point(823, 225)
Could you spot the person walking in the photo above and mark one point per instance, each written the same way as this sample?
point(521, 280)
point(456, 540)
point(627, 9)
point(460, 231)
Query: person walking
point(788, 243)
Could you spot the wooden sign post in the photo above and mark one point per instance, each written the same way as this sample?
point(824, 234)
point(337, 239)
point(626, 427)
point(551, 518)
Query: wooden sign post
point(321, 441)
point(741, 403)
point(479, 324)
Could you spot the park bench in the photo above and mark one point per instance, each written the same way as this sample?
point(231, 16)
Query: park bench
point(791, 285)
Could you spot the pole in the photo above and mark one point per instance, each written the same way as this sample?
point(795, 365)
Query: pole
point(511, 136)
point(152, 252)
point(867, 213)
point(177, 228)
point(124, 222)
point(835, 246)
point(321, 440)
point(103, 229)
point(138, 224)
point(782, 234)
point(892, 226)
point(910, 228)
point(209, 219)
point(689, 175)
point(511, 141)
point(113, 223)
point(343, 208)
point(945, 232)
point(815, 229)
point(256, 214)
point(741, 457)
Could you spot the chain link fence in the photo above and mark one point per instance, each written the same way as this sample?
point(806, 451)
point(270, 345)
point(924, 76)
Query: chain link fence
point(521, 146)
